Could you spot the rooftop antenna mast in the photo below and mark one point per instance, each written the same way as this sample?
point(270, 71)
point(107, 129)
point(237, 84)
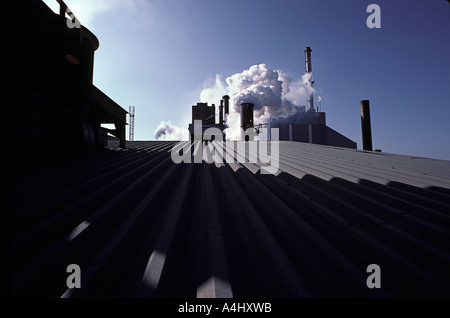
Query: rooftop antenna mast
point(131, 113)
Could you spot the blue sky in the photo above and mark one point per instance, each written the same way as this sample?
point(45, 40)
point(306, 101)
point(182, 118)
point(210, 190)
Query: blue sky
point(160, 54)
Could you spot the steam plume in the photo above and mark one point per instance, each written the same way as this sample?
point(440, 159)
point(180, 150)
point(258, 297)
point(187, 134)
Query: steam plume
point(168, 131)
point(273, 93)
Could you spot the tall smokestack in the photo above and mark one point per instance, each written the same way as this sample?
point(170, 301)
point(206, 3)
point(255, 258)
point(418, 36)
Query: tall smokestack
point(226, 98)
point(247, 121)
point(365, 125)
point(221, 112)
point(308, 68)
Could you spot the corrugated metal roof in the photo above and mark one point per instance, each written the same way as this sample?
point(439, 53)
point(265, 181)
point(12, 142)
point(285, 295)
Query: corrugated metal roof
point(139, 225)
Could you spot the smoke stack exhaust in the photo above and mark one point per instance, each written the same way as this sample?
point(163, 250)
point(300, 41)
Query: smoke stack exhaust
point(308, 68)
point(365, 125)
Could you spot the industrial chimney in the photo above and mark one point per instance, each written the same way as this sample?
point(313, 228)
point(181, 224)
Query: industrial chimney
point(247, 121)
point(221, 112)
point(308, 69)
point(226, 98)
point(365, 125)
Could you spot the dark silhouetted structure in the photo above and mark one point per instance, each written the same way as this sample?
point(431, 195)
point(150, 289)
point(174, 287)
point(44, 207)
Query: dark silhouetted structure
point(226, 100)
point(246, 120)
point(54, 104)
point(207, 115)
point(310, 127)
point(365, 125)
point(247, 115)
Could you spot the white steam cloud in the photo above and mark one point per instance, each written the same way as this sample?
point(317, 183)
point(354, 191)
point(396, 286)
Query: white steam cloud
point(273, 93)
point(168, 131)
point(214, 93)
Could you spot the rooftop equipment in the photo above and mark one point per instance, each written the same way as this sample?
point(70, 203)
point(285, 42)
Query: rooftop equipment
point(365, 125)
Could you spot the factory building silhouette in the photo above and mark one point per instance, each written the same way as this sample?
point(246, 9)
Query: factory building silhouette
point(138, 225)
point(55, 105)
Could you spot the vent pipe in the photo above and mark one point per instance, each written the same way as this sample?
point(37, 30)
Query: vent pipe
point(308, 66)
point(247, 121)
point(365, 125)
point(226, 98)
point(308, 69)
point(221, 112)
